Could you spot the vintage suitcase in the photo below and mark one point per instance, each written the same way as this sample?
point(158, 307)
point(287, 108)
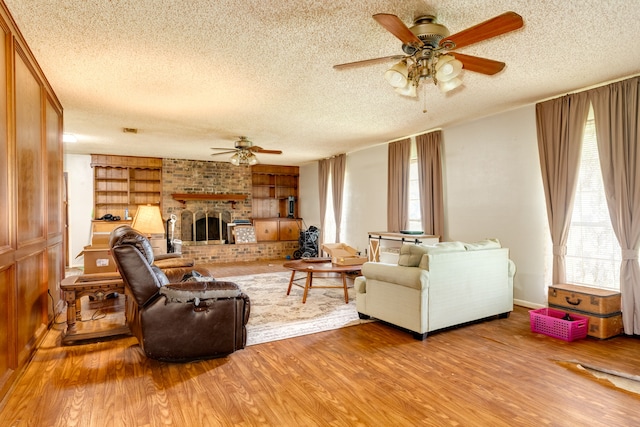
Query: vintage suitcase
point(601, 306)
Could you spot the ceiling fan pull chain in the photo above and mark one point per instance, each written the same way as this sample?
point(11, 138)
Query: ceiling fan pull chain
point(424, 99)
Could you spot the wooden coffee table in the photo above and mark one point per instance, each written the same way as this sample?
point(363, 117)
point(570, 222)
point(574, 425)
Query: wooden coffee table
point(311, 268)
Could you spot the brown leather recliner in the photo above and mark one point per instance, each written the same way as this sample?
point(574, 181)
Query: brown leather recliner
point(177, 321)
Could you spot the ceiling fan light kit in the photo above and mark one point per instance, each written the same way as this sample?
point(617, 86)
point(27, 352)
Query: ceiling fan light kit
point(244, 152)
point(244, 158)
point(428, 47)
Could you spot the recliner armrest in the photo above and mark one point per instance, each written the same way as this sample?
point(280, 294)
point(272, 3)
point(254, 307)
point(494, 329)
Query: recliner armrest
point(173, 262)
point(197, 291)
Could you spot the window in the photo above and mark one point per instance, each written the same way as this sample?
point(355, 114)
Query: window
point(593, 253)
point(329, 231)
point(415, 216)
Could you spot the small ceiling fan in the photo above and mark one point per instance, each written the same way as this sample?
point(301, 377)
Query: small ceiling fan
point(244, 152)
point(429, 51)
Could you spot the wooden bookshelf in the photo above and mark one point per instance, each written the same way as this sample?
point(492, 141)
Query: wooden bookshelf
point(122, 183)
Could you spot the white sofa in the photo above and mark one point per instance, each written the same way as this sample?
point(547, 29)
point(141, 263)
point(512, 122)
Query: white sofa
point(435, 287)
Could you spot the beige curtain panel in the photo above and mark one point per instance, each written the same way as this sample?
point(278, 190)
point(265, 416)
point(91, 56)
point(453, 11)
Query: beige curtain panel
point(616, 112)
point(398, 185)
point(560, 126)
point(338, 164)
point(429, 152)
point(323, 184)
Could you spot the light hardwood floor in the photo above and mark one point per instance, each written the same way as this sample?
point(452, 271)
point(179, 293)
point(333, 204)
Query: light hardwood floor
point(494, 373)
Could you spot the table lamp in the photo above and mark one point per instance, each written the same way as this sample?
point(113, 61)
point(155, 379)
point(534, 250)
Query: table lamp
point(148, 221)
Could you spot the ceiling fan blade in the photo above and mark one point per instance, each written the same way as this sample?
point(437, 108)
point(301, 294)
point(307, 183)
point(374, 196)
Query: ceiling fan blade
point(257, 149)
point(369, 61)
point(493, 27)
point(223, 152)
point(395, 26)
point(479, 65)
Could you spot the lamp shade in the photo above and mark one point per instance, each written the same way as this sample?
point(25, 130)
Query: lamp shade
point(449, 85)
point(397, 75)
point(252, 160)
point(148, 220)
point(409, 90)
point(447, 68)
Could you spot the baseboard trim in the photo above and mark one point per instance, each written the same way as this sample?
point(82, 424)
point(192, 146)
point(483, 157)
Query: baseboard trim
point(528, 304)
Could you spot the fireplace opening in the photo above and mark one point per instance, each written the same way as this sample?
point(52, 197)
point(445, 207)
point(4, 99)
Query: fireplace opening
point(205, 226)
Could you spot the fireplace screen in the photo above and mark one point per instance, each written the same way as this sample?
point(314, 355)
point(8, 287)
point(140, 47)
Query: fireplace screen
point(204, 226)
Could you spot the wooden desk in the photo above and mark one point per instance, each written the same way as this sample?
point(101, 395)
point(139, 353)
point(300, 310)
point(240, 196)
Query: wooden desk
point(319, 267)
point(98, 286)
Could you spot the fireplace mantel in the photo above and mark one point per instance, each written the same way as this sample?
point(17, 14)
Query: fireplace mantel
point(232, 198)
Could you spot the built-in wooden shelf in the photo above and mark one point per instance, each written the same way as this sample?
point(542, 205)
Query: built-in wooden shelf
point(232, 198)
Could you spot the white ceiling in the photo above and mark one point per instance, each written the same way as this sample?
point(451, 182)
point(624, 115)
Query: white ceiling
point(196, 74)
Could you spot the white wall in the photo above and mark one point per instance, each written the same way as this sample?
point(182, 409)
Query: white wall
point(492, 186)
point(80, 199)
point(365, 196)
point(308, 195)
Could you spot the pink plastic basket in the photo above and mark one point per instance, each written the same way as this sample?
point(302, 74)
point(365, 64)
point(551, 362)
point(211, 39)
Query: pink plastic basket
point(549, 322)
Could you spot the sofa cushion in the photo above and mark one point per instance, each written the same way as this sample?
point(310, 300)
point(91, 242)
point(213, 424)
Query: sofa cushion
point(440, 248)
point(410, 255)
point(483, 244)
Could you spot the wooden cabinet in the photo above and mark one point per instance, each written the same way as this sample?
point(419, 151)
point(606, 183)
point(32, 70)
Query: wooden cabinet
point(122, 183)
point(289, 229)
point(274, 229)
point(274, 195)
point(266, 229)
point(271, 189)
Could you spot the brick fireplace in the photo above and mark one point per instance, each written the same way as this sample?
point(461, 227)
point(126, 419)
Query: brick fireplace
point(202, 224)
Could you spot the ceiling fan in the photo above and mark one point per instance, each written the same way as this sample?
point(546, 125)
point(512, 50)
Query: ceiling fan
point(244, 152)
point(429, 51)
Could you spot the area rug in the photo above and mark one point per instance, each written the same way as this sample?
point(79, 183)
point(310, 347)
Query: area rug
point(604, 376)
point(276, 316)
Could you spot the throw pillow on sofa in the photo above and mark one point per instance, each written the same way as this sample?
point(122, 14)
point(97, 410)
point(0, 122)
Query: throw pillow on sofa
point(440, 248)
point(410, 255)
point(483, 244)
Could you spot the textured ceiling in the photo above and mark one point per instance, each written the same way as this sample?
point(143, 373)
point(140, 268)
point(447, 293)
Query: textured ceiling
point(196, 74)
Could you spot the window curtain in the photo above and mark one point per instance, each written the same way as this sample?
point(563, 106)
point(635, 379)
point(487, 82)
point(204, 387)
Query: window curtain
point(430, 182)
point(616, 112)
point(323, 183)
point(337, 186)
point(398, 185)
point(560, 127)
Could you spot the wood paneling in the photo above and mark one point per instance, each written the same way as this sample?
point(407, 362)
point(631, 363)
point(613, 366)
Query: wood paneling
point(5, 167)
point(31, 294)
point(55, 270)
point(29, 149)
point(6, 364)
point(32, 224)
point(55, 225)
